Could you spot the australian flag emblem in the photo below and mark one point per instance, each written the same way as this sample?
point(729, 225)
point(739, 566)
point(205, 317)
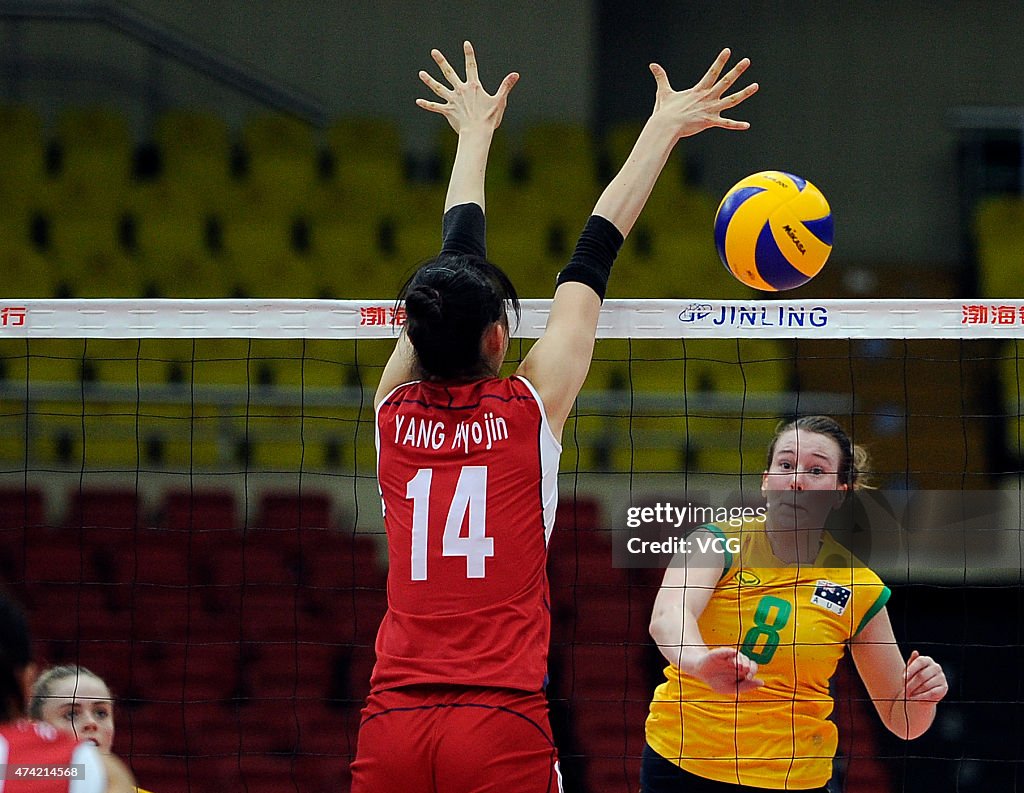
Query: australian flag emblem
point(831, 596)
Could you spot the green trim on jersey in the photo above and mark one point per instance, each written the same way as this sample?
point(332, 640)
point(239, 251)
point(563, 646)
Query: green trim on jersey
point(727, 556)
point(878, 605)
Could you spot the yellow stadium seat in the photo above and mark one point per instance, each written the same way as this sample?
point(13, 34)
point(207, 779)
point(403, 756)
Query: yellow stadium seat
point(559, 153)
point(89, 257)
point(181, 436)
point(194, 151)
point(367, 155)
point(97, 151)
point(348, 261)
point(595, 439)
point(22, 167)
point(27, 273)
point(173, 256)
point(330, 364)
point(277, 362)
point(112, 361)
point(735, 365)
point(164, 361)
point(999, 238)
point(221, 362)
point(262, 262)
point(609, 367)
point(14, 355)
point(365, 138)
point(282, 157)
point(54, 361)
point(689, 267)
point(619, 140)
point(526, 256)
point(499, 158)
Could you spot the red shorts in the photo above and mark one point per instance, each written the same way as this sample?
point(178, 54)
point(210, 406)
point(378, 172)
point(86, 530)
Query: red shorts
point(440, 739)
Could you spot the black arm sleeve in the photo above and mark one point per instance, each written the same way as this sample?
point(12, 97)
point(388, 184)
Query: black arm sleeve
point(596, 249)
point(463, 230)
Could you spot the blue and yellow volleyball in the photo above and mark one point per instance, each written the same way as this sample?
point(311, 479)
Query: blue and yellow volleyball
point(773, 231)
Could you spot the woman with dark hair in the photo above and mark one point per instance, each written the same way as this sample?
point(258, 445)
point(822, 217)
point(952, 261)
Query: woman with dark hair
point(754, 628)
point(36, 758)
point(467, 466)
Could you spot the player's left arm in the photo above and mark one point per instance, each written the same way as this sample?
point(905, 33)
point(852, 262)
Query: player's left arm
point(905, 694)
point(474, 114)
point(558, 363)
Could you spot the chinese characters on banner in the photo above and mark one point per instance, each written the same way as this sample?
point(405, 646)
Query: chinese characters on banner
point(12, 316)
point(976, 314)
point(381, 315)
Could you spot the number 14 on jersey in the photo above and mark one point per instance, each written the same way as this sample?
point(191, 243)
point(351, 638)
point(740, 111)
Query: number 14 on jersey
point(470, 498)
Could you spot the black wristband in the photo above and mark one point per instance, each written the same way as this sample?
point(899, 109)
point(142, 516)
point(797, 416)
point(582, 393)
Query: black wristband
point(596, 249)
point(463, 230)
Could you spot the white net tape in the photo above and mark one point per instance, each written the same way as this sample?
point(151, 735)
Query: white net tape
point(620, 319)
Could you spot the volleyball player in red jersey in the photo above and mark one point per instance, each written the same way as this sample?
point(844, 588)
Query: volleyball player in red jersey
point(467, 465)
point(35, 757)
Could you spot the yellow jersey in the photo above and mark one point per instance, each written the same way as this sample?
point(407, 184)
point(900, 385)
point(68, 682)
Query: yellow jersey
point(795, 622)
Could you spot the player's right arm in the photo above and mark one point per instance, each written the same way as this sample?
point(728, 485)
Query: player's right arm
point(558, 363)
point(685, 591)
point(474, 115)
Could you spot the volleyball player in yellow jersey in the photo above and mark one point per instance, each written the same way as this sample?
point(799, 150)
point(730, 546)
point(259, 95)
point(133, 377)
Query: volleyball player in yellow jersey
point(753, 637)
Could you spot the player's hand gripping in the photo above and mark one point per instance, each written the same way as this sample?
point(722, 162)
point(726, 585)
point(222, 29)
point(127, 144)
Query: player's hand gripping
point(466, 103)
point(700, 107)
point(923, 679)
point(727, 671)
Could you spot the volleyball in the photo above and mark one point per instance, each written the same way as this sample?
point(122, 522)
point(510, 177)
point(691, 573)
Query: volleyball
point(773, 231)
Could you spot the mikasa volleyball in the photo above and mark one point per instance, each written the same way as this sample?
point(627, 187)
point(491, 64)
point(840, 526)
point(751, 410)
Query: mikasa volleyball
point(773, 230)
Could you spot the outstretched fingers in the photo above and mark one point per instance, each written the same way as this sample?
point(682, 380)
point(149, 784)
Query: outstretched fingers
point(446, 68)
point(438, 88)
point(506, 85)
point(660, 78)
point(740, 96)
point(725, 83)
point(713, 72)
point(472, 75)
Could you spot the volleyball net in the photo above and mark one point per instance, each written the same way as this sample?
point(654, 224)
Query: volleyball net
point(188, 507)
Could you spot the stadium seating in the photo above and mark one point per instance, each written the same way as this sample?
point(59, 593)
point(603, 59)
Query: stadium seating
point(999, 240)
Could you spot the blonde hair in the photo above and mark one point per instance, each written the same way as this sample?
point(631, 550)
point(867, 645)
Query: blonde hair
point(43, 688)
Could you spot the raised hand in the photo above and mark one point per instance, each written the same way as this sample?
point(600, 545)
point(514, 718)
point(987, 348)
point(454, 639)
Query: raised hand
point(727, 671)
point(466, 103)
point(924, 680)
point(700, 107)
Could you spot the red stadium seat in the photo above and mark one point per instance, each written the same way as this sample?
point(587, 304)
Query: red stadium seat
point(157, 728)
point(199, 509)
point(360, 660)
point(21, 507)
point(269, 612)
point(53, 557)
point(580, 513)
point(267, 727)
point(104, 507)
point(293, 511)
point(269, 556)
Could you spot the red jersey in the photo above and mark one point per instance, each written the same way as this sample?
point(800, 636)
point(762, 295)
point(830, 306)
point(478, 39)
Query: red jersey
point(38, 759)
point(468, 481)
